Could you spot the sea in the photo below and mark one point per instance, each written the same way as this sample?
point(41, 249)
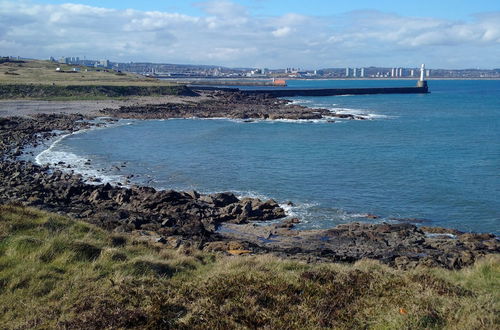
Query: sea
point(431, 159)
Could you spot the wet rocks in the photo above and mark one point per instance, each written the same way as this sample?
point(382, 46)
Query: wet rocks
point(188, 214)
point(237, 105)
point(410, 220)
point(440, 230)
point(17, 132)
point(399, 245)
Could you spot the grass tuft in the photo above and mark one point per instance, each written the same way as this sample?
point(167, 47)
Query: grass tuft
point(146, 266)
point(84, 251)
point(60, 273)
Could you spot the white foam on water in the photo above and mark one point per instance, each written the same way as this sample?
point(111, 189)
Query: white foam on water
point(78, 164)
point(252, 194)
point(368, 114)
point(300, 121)
point(431, 235)
point(299, 210)
point(334, 108)
point(300, 102)
point(325, 120)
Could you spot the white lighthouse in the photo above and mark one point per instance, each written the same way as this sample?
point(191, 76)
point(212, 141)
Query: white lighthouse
point(422, 82)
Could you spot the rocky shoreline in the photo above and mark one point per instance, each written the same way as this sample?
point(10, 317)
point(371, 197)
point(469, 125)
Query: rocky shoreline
point(191, 219)
point(233, 105)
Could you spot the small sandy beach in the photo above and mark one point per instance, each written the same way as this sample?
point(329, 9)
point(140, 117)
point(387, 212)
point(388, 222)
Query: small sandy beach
point(23, 108)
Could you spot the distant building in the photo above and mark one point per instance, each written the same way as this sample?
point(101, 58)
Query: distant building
point(400, 72)
point(412, 73)
point(362, 73)
point(428, 73)
point(354, 72)
point(347, 72)
point(393, 72)
point(104, 63)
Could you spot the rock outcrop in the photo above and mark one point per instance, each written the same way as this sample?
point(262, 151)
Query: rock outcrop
point(399, 245)
point(236, 105)
point(167, 212)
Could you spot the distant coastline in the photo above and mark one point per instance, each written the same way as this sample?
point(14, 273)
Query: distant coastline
point(184, 80)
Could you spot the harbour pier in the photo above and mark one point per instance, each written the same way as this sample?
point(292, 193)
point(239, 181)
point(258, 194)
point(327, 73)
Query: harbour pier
point(420, 88)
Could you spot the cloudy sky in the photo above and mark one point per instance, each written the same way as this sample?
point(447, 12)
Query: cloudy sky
point(258, 33)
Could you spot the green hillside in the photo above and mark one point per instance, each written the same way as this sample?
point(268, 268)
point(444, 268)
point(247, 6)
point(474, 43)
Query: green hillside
point(42, 80)
point(59, 273)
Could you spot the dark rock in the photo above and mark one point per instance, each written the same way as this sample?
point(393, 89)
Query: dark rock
point(167, 223)
point(161, 240)
point(410, 220)
point(440, 230)
point(193, 194)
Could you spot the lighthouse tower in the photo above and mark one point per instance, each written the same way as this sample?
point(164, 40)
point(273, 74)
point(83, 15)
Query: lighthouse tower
point(422, 82)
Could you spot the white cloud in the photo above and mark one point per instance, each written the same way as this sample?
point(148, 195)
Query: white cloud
point(227, 34)
point(282, 31)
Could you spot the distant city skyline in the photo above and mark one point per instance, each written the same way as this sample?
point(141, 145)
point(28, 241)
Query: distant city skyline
point(257, 33)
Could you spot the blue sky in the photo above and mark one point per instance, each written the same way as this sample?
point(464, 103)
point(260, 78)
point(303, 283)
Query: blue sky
point(451, 9)
point(258, 33)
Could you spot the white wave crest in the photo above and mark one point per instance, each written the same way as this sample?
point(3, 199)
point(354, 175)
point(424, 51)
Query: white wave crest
point(368, 114)
point(52, 157)
point(76, 163)
point(325, 120)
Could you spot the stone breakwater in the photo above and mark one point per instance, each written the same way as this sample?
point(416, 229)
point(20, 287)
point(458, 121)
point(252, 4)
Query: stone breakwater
point(189, 218)
point(234, 105)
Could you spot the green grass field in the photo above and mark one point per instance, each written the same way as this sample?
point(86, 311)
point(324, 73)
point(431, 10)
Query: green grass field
point(60, 273)
point(40, 80)
point(44, 73)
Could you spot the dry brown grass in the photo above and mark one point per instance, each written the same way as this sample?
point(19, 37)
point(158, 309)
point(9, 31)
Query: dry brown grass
point(60, 273)
point(44, 73)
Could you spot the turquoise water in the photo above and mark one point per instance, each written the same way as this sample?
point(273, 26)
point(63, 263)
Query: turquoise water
point(434, 157)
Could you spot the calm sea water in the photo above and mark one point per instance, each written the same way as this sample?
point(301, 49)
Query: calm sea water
point(433, 157)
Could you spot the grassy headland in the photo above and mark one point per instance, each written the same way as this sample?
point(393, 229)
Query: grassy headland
point(39, 79)
point(59, 273)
